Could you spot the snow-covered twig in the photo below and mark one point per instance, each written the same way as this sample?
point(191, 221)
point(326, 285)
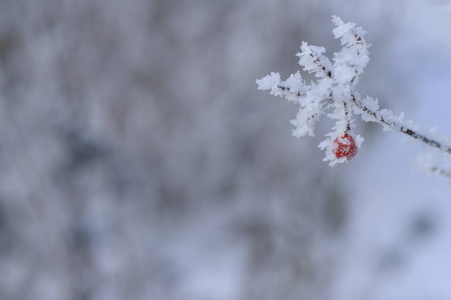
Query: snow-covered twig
point(335, 88)
point(398, 126)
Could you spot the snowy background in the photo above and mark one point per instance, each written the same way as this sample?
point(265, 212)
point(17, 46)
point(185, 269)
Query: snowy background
point(138, 160)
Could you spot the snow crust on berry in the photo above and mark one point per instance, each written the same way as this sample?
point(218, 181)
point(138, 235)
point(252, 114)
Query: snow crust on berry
point(330, 147)
point(345, 147)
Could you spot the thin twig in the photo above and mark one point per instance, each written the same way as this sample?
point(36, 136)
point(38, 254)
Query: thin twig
point(401, 128)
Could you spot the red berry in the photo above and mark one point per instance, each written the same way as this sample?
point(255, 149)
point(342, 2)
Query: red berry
point(345, 147)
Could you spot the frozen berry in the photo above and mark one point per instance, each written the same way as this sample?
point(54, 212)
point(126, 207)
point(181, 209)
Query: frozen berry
point(345, 147)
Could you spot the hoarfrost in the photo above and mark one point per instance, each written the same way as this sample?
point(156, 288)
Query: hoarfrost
point(335, 89)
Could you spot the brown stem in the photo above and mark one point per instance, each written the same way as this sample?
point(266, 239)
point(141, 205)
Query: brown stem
point(348, 122)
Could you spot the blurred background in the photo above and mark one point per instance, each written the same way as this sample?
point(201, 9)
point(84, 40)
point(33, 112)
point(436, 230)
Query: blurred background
point(138, 160)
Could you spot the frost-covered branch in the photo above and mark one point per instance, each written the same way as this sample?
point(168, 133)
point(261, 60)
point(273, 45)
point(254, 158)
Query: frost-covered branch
point(335, 89)
point(385, 117)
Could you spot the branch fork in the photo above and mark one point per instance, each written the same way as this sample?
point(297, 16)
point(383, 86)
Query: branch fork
point(335, 89)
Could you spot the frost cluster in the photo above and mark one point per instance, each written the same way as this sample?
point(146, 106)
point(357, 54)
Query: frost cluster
point(335, 90)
